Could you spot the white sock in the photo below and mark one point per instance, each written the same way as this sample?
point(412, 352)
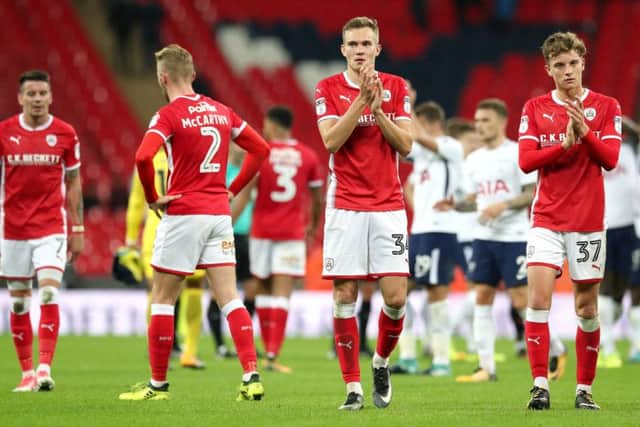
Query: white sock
point(584, 387)
point(407, 341)
point(440, 332)
point(379, 361)
point(157, 384)
point(247, 376)
point(354, 388)
point(541, 382)
point(484, 333)
point(634, 320)
point(28, 373)
point(44, 368)
point(606, 308)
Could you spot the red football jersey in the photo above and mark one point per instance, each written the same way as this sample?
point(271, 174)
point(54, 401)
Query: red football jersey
point(197, 131)
point(570, 191)
point(34, 163)
point(280, 210)
point(363, 173)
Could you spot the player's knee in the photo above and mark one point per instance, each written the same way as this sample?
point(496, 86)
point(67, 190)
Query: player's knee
point(21, 304)
point(345, 295)
point(48, 295)
point(587, 310)
point(396, 301)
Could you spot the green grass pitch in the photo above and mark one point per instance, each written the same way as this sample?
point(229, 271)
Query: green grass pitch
point(91, 371)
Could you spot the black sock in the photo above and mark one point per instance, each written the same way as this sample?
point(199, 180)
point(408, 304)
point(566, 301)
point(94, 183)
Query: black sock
point(363, 320)
point(518, 322)
point(251, 306)
point(215, 323)
point(176, 310)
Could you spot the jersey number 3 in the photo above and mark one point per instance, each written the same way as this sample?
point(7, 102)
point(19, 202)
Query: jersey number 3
point(285, 180)
point(208, 165)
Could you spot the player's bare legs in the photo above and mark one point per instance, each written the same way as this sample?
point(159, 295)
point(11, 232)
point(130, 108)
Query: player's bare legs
point(223, 284)
point(587, 341)
point(347, 340)
point(440, 328)
point(390, 322)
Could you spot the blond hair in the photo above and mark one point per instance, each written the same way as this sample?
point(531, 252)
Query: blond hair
point(176, 61)
point(361, 22)
point(562, 42)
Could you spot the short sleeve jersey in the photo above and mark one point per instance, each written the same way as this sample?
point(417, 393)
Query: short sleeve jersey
point(281, 208)
point(34, 163)
point(197, 131)
point(494, 176)
point(570, 191)
point(621, 186)
point(435, 176)
point(363, 173)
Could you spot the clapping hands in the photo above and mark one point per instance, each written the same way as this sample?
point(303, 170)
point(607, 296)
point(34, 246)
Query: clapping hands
point(371, 87)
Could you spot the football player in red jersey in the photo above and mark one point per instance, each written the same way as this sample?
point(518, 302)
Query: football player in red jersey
point(364, 118)
point(568, 135)
point(41, 162)
point(195, 230)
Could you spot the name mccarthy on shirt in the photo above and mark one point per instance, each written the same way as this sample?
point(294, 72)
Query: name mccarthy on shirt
point(204, 120)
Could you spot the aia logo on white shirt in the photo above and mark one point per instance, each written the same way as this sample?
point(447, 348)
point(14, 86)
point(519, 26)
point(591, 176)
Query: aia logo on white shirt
point(52, 140)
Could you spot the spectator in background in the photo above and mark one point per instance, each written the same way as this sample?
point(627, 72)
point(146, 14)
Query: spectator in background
point(121, 18)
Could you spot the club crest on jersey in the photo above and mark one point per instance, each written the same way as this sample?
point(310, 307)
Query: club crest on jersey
point(52, 140)
point(329, 264)
point(617, 122)
point(524, 124)
point(530, 251)
point(590, 113)
point(321, 106)
point(386, 95)
point(407, 105)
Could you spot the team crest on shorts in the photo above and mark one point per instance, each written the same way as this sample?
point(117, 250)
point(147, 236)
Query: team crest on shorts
point(530, 251)
point(52, 140)
point(329, 263)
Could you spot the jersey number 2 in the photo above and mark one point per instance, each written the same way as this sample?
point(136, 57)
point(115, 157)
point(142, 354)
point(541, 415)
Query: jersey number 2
point(208, 165)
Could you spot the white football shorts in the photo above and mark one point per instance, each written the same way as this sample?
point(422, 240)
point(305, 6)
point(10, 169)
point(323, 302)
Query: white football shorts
point(21, 259)
point(365, 245)
point(585, 252)
point(269, 257)
point(185, 243)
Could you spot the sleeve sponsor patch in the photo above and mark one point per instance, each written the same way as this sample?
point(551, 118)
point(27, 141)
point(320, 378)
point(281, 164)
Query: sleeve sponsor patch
point(321, 106)
point(524, 124)
point(617, 122)
point(76, 150)
point(407, 104)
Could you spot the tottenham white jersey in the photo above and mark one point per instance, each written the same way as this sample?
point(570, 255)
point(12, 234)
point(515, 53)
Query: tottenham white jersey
point(435, 176)
point(494, 176)
point(466, 223)
point(621, 190)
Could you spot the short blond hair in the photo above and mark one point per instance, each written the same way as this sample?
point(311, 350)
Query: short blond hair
point(176, 61)
point(494, 104)
point(562, 42)
point(361, 22)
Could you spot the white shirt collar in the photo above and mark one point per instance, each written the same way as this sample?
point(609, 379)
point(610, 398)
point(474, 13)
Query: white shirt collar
point(557, 100)
point(349, 81)
point(25, 126)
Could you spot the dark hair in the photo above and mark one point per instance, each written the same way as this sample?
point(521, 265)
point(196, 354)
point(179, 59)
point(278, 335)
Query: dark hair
point(281, 115)
point(494, 104)
point(33, 75)
point(457, 126)
point(432, 111)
